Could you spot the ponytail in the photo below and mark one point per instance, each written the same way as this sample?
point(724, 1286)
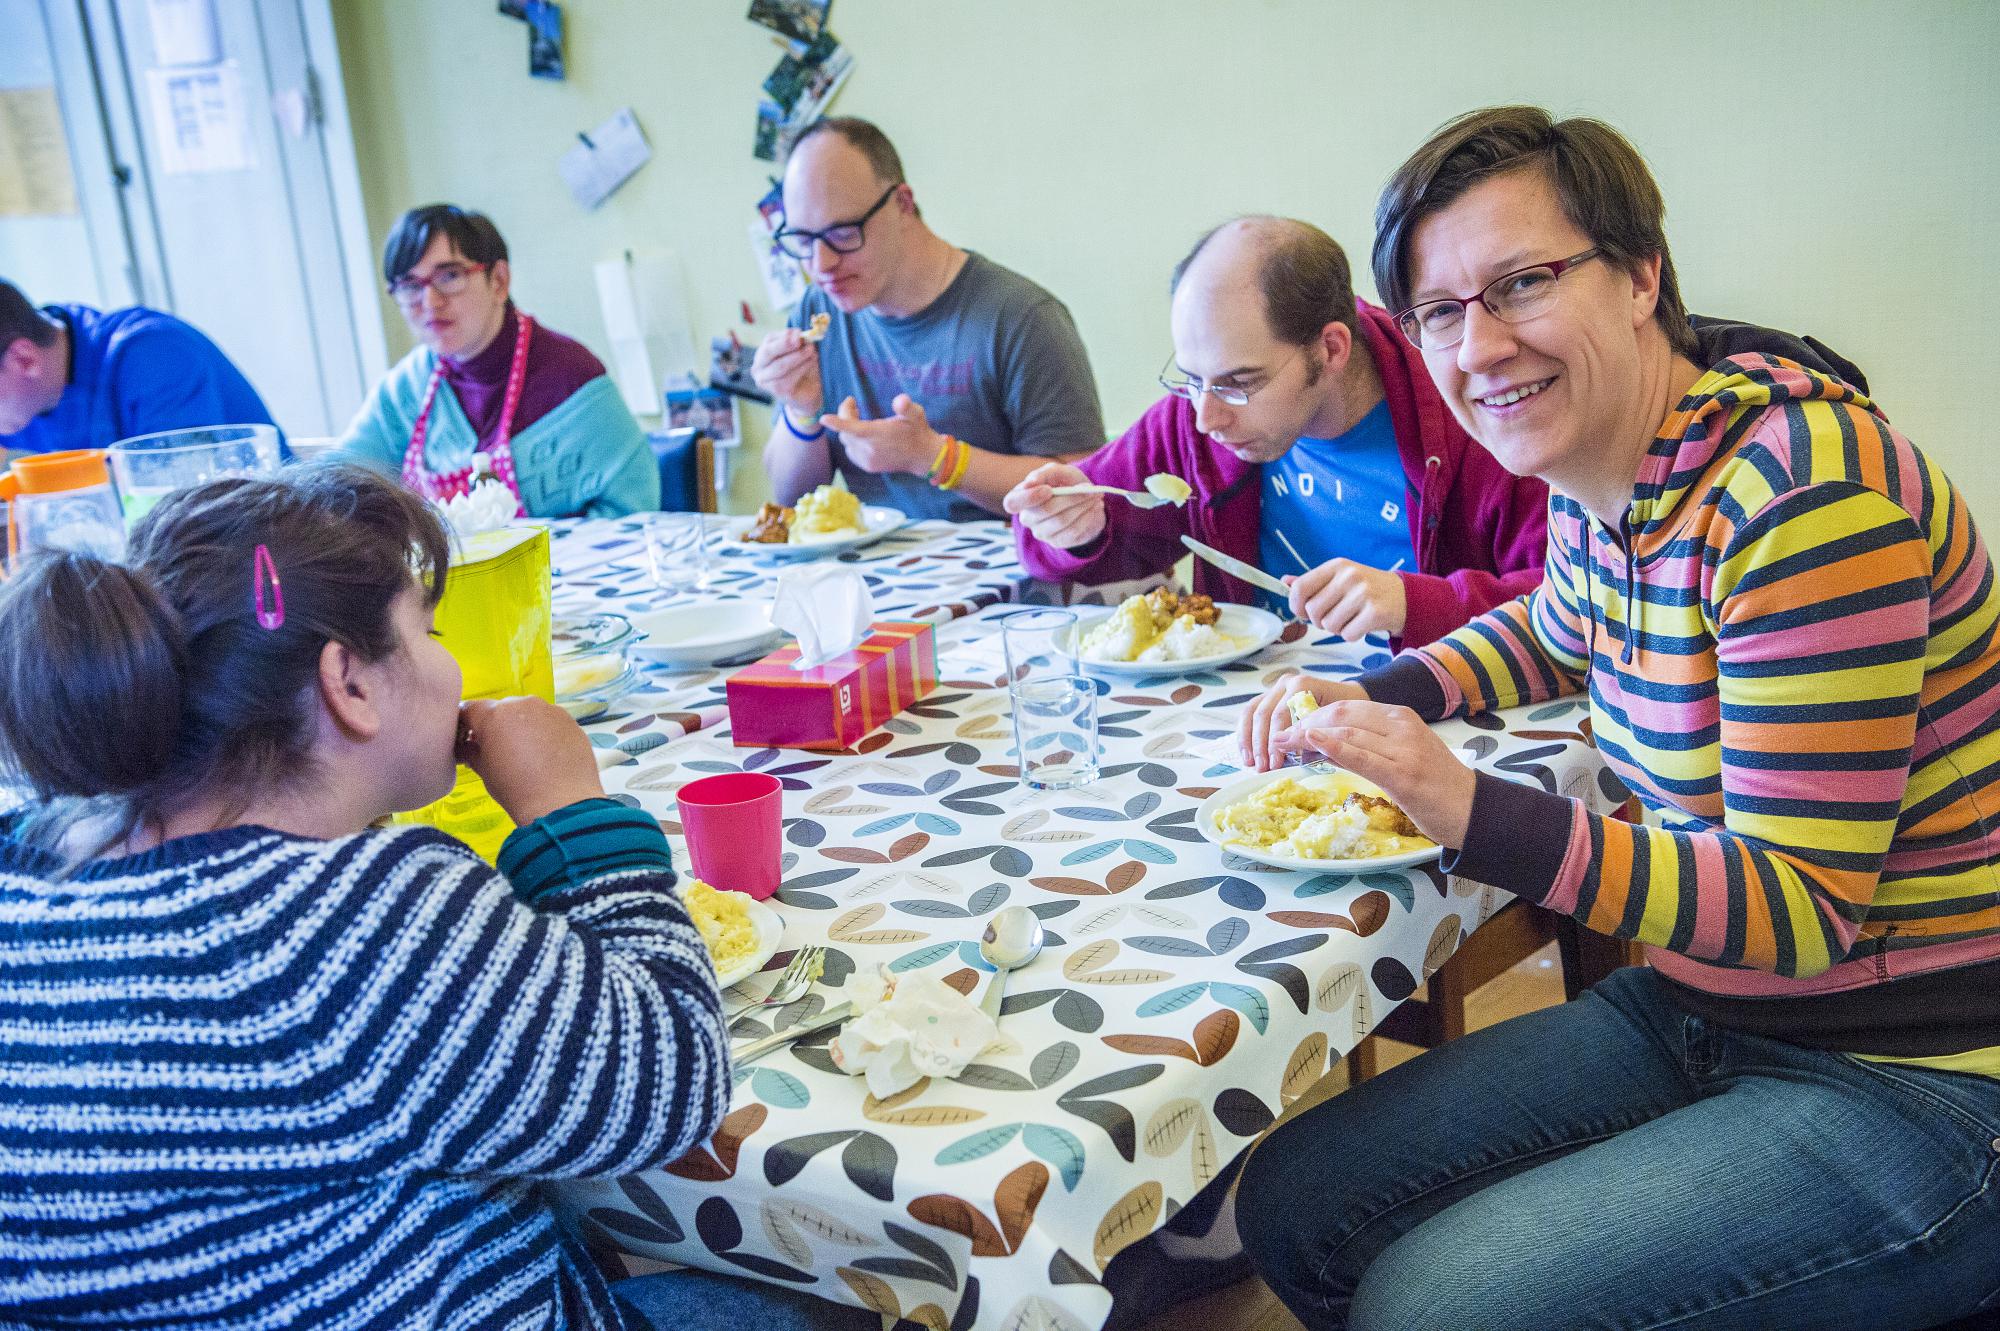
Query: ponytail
point(92, 677)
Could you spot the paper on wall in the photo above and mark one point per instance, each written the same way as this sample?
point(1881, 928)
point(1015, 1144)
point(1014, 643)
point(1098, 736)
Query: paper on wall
point(646, 321)
point(200, 122)
point(35, 179)
point(184, 32)
point(604, 159)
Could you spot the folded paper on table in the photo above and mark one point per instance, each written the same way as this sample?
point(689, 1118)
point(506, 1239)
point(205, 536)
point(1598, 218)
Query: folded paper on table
point(908, 1027)
point(831, 706)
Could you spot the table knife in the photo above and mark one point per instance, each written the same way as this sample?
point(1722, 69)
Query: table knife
point(753, 1050)
point(1250, 573)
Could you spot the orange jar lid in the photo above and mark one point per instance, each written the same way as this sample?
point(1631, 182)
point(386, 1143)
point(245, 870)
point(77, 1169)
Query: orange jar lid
point(50, 473)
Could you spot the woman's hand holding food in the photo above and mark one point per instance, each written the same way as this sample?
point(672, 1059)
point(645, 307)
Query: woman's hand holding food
point(1264, 720)
point(533, 758)
point(1394, 748)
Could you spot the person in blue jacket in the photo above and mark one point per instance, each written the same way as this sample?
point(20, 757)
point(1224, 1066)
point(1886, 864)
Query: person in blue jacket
point(75, 377)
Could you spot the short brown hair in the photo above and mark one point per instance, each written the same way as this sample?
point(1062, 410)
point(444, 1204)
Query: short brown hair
point(1304, 277)
point(1603, 185)
point(128, 687)
point(866, 138)
point(19, 318)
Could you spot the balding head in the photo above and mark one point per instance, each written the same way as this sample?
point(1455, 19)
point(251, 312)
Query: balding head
point(1301, 271)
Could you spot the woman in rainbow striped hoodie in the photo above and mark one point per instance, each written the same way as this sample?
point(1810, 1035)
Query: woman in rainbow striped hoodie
point(1784, 619)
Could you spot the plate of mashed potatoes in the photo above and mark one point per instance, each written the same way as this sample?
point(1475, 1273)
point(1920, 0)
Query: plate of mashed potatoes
point(1294, 818)
point(1163, 632)
point(825, 521)
point(740, 932)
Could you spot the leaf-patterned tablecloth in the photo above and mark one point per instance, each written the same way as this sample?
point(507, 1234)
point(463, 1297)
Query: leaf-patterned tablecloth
point(1185, 997)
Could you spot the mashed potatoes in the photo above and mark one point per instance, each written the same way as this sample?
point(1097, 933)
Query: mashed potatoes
point(1330, 817)
point(724, 921)
point(831, 510)
point(1169, 487)
point(1159, 627)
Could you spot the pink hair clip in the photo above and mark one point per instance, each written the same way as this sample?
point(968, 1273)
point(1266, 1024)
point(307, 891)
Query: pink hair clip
point(261, 568)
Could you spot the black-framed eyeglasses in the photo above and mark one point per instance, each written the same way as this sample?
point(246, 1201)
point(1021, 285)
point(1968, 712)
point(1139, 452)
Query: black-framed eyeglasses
point(1184, 386)
point(841, 237)
point(448, 278)
point(1438, 325)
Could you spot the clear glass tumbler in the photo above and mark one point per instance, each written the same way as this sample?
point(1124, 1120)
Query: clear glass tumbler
point(1054, 702)
point(677, 550)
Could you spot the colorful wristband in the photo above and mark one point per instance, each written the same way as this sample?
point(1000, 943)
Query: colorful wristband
point(941, 464)
point(785, 415)
point(959, 467)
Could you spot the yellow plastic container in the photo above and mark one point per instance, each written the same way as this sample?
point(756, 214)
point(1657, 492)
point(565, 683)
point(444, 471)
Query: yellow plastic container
point(495, 620)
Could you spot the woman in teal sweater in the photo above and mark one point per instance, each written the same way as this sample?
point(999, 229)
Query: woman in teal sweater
point(491, 392)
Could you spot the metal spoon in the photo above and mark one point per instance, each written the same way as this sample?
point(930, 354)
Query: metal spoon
point(1136, 498)
point(1013, 938)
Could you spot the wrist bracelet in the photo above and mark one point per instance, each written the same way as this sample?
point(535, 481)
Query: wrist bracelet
point(785, 415)
point(938, 463)
point(959, 467)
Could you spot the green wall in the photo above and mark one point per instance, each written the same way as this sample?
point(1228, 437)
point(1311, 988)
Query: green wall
point(1831, 168)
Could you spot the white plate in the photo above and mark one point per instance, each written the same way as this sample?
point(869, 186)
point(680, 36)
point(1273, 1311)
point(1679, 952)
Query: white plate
point(1260, 627)
point(703, 633)
point(1204, 821)
point(879, 519)
point(770, 927)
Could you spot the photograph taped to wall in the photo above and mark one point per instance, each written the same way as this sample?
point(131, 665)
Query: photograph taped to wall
point(784, 83)
point(729, 369)
point(708, 410)
point(800, 20)
point(545, 38)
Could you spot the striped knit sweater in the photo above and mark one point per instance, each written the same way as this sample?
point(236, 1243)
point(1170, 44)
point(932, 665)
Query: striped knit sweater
point(254, 1080)
point(1791, 659)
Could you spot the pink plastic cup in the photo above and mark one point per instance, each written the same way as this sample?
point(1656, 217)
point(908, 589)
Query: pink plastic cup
point(731, 823)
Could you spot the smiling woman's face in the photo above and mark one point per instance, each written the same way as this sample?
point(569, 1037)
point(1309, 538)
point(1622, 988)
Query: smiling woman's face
point(1550, 396)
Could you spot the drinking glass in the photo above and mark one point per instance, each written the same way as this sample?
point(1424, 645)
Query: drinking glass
point(149, 467)
point(677, 550)
point(1054, 702)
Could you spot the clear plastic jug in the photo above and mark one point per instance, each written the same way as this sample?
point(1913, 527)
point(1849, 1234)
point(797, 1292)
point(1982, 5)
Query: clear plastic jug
point(149, 467)
point(62, 501)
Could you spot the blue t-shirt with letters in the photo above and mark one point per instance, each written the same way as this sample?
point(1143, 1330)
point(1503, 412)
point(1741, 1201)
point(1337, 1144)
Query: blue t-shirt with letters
point(1333, 498)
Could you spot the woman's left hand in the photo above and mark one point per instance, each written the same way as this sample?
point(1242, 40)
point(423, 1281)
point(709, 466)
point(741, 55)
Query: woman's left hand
point(1392, 747)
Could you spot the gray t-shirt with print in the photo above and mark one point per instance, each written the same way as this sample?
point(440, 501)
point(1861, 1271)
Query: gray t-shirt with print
point(995, 361)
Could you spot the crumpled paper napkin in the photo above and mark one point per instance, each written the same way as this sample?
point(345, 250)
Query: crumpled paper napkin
point(909, 1027)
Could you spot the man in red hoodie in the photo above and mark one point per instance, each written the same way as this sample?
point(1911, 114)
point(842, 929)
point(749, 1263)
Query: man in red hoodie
point(1316, 448)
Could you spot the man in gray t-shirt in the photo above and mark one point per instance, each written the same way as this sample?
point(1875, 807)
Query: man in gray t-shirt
point(925, 344)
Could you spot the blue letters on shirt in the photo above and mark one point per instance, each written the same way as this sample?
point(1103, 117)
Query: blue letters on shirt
point(1333, 498)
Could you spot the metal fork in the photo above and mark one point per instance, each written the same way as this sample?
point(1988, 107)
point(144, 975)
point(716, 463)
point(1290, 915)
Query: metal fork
point(797, 977)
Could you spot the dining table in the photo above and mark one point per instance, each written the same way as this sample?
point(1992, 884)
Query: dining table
point(1185, 995)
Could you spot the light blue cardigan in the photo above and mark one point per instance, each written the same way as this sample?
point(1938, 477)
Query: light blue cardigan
point(587, 457)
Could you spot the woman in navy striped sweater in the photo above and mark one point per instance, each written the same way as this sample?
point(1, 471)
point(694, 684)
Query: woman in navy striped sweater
point(262, 1065)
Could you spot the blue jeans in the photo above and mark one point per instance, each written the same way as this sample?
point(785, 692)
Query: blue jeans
point(691, 1300)
point(1615, 1162)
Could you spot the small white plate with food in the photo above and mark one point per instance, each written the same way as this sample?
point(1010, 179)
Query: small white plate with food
point(824, 522)
point(1163, 633)
point(1302, 818)
point(706, 632)
point(740, 932)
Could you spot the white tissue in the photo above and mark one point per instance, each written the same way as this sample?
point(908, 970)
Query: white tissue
point(826, 607)
point(488, 506)
point(909, 1027)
